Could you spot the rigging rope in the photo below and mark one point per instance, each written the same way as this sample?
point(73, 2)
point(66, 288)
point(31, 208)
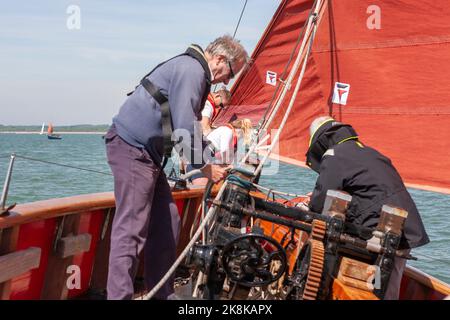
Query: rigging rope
point(61, 165)
point(240, 17)
point(236, 29)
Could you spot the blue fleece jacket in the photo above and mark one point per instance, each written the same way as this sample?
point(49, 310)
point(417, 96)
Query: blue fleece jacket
point(183, 81)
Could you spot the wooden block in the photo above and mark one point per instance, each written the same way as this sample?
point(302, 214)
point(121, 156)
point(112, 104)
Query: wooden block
point(336, 204)
point(356, 283)
point(356, 274)
point(341, 291)
point(73, 245)
point(16, 263)
point(392, 219)
point(356, 269)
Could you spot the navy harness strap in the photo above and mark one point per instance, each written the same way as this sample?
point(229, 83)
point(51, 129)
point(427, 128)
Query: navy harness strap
point(195, 52)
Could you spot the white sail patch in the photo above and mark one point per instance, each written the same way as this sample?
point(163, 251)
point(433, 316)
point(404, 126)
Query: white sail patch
point(271, 78)
point(340, 94)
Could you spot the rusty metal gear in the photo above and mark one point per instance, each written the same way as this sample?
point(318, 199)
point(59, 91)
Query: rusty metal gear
point(316, 262)
point(319, 228)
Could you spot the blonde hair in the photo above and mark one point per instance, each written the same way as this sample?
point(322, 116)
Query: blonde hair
point(225, 95)
point(246, 126)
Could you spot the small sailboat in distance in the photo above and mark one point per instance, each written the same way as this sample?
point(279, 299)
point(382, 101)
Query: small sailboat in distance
point(50, 133)
point(42, 129)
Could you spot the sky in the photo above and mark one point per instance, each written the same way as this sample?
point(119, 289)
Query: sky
point(72, 62)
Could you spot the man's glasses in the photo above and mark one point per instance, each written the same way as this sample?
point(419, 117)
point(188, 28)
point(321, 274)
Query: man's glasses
point(231, 70)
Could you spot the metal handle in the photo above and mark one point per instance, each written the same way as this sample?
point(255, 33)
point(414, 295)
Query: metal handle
point(6, 186)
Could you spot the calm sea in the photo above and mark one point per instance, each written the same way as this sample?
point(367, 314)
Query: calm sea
point(32, 181)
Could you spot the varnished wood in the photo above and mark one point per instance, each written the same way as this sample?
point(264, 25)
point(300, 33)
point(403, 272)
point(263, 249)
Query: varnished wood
point(54, 208)
point(73, 245)
point(356, 283)
point(426, 280)
point(16, 263)
point(356, 269)
point(340, 291)
point(188, 219)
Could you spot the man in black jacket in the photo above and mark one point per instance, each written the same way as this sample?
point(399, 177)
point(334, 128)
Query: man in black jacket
point(344, 163)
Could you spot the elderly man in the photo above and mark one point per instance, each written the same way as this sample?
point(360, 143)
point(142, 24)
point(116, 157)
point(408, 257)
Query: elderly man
point(344, 163)
point(169, 100)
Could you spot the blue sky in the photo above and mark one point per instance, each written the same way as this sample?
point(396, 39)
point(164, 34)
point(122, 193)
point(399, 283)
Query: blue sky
point(49, 73)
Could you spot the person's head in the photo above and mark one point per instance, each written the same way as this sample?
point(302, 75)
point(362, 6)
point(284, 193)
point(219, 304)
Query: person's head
point(325, 132)
point(246, 128)
point(226, 57)
point(222, 97)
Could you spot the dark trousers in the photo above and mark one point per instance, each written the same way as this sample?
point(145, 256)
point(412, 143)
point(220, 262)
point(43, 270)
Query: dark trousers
point(146, 219)
point(393, 289)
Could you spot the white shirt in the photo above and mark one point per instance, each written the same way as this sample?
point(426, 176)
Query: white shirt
point(208, 110)
point(222, 140)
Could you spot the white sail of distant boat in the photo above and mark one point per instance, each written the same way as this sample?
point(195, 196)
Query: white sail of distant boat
point(42, 129)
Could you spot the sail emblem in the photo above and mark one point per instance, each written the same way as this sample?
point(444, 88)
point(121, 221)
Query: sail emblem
point(271, 78)
point(340, 93)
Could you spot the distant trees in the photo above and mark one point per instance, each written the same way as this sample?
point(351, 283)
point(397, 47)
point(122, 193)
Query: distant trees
point(74, 128)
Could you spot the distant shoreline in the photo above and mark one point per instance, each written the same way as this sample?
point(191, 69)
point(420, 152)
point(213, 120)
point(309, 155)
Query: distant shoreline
point(56, 132)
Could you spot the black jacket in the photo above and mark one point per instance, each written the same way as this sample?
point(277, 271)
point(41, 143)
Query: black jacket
point(372, 181)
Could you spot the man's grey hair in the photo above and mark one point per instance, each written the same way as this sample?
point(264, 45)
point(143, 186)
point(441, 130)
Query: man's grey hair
point(231, 48)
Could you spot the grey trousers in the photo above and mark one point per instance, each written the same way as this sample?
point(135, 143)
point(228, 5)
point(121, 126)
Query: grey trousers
point(393, 289)
point(146, 219)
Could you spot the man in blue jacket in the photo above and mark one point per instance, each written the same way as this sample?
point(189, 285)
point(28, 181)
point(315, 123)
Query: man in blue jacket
point(163, 108)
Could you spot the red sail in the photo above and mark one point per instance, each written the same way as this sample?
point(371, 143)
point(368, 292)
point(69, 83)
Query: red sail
point(391, 59)
point(50, 129)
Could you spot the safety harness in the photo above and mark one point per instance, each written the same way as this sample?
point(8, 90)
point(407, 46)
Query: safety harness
point(213, 104)
point(197, 53)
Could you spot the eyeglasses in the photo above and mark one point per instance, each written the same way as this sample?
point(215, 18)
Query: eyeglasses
point(231, 70)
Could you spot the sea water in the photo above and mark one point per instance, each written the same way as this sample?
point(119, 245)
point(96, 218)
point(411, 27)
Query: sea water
point(37, 180)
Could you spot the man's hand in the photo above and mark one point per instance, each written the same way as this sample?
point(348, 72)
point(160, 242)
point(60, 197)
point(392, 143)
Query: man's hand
point(308, 199)
point(215, 172)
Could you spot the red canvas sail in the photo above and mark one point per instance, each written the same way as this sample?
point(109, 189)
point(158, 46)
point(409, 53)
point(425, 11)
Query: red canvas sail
point(50, 129)
point(383, 67)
